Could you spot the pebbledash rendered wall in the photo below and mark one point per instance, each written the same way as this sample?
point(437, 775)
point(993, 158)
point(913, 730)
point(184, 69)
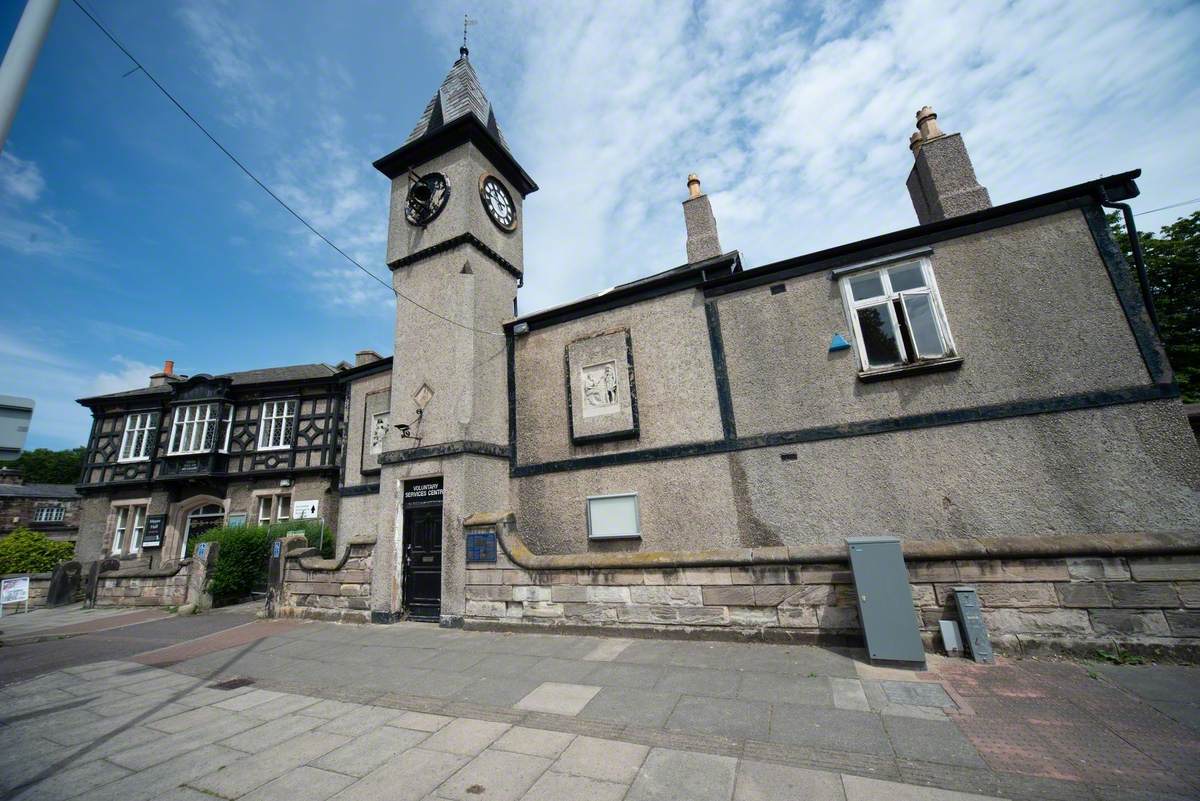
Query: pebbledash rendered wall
point(1059, 420)
point(1036, 593)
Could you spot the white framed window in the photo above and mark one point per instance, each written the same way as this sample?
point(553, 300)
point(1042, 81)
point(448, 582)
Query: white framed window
point(275, 425)
point(613, 516)
point(274, 509)
point(194, 429)
point(50, 513)
point(265, 504)
point(135, 442)
point(131, 524)
point(896, 314)
point(228, 430)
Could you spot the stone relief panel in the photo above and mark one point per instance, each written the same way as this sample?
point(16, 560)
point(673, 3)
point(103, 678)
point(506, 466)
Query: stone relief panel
point(376, 422)
point(601, 393)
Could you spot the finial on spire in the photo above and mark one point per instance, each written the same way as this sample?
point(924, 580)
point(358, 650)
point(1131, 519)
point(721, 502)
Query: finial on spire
point(467, 22)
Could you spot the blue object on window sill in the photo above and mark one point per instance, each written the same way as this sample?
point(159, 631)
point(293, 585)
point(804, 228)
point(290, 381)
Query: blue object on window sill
point(839, 343)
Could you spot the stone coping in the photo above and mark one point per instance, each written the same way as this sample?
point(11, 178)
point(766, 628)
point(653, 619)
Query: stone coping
point(32, 576)
point(305, 555)
point(171, 568)
point(1073, 545)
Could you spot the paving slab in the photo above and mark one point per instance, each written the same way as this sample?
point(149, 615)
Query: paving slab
point(302, 784)
point(420, 721)
point(786, 689)
point(361, 720)
point(272, 733)
point(917, 693)
point(670, 775)
point(558, 698)
point(931, 741)
point(763, 781)
point(859, 788)
point(629, 706)
point(411, 776)
point(494, 775)
point(831, 729)
point(565, 787)
point(849, 694)
point(535, 742)
point(725, 717)
point(620, 674)
point(249, 772)
point(164, 776)
point(607, 650)
point(367, 752)
point(607, 760)
point(697, 681)
point(465, 736)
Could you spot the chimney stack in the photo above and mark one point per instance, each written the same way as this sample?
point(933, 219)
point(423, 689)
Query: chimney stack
point(362, 357)
point(702, 242)
point(168, 372)
point(942, 183)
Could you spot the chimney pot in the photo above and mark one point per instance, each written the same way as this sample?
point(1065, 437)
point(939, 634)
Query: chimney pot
point(169, 367)
point(914, 142)
point(694, 185)
point(927, 123)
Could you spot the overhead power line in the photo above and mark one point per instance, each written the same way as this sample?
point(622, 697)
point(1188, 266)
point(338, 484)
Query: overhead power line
point(1172, 206)
point(249, 174)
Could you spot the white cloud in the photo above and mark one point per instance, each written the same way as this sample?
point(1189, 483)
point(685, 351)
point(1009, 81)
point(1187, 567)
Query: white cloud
point(797, 118)
point(129, 374)
point(20, 180)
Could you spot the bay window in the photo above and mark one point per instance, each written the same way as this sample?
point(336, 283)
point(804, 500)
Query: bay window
point(194, 429)
point(897, 317)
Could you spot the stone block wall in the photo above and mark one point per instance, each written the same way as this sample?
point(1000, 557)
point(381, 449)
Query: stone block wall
point(141, 587)
point(1028, 603)
point(329, 589)
point(39, 588)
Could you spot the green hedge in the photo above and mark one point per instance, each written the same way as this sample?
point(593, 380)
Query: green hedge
point(244, 552)
point(25, 551)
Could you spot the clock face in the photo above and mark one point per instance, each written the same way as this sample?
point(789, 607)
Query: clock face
point(426, 199)
point(498, 202)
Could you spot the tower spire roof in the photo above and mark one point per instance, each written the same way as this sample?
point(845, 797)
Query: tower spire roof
point(459, 95)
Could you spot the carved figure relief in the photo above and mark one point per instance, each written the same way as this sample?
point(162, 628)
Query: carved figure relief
point(378, 432)
point(600, 390)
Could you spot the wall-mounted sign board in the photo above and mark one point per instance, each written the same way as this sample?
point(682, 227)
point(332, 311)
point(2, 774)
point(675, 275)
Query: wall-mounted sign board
point(885, 604)
point(423, 492)
point(305, 510)
point(481, 547)
point(156, 526)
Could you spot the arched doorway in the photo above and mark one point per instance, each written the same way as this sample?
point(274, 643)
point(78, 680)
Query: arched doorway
point(200, 520)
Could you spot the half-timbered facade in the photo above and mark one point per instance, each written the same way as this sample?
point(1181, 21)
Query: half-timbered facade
point(188, 453)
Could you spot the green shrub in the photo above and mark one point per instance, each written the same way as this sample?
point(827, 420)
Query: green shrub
point(244, 553)
point(25, 551)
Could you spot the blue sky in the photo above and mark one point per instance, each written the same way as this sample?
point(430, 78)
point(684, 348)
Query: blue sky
point(126, 238)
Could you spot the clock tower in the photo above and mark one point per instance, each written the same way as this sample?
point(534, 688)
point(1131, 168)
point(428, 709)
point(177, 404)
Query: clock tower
point(455, 252)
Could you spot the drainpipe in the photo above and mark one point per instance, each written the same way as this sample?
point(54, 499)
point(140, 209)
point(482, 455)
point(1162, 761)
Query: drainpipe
point(1135, 244)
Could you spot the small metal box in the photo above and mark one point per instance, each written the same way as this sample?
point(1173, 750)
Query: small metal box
point(885, 603)
point(971, 615)
point(951, 639)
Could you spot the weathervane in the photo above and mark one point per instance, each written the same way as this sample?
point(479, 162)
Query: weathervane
point(467, 22)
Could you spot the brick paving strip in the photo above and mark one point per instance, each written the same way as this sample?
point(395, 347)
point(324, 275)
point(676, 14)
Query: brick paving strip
point(87, 627)
point(217, 641)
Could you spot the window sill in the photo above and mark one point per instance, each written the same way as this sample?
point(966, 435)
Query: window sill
point(905, 370)
point(133, 461)
point(275, 448)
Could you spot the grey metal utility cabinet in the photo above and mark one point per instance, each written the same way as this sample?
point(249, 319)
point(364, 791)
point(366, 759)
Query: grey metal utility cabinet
point(885, 603)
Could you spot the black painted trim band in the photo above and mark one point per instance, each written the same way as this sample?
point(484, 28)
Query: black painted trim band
point(1130, 295)
point(358, 489)
point(467, 446)
point(510, 348)
point(716, 343)
point(972, 414)
point(452, 243)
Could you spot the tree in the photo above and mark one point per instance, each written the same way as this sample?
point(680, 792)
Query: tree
point(44, 466)
point(1173, 266)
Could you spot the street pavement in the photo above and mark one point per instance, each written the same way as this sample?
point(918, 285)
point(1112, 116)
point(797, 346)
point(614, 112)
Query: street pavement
point(298, 710)
point(84, 639)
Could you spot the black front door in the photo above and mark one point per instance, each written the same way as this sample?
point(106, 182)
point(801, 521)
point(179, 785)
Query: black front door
point(423, 562)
